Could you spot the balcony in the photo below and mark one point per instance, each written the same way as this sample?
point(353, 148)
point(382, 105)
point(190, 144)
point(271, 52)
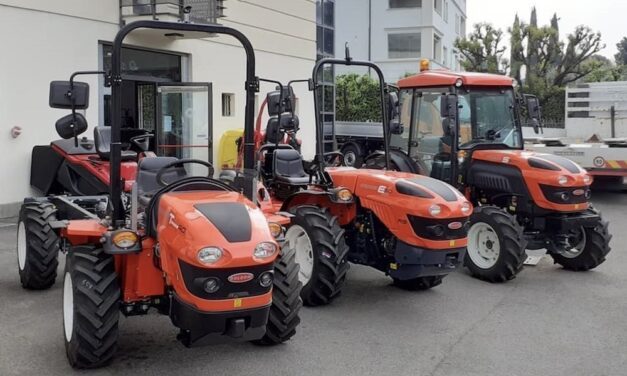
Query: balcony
point(194, 11)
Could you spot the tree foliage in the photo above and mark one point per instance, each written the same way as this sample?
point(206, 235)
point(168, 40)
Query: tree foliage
point(483, 50)
point(357, 98)
point(621, 56)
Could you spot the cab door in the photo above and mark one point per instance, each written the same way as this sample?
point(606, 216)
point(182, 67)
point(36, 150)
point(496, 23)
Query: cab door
point(184, 121)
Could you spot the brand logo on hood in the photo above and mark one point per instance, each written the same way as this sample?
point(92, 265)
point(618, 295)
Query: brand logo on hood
point(240, 277)
point(578, 192)
point(455, 225)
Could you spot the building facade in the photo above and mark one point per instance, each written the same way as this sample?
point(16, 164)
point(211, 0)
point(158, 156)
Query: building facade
point(396, 34)
point(48, 40)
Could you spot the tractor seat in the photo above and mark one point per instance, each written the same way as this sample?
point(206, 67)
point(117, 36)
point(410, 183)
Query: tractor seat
point(102, 140)
point(146, 180)
point(288, 167)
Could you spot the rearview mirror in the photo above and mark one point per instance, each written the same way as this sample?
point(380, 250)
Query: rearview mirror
point(71, 125)
point(63, 95)
point(448, 111)
point(393, 106)
point(534, 111)
point(396, 127)
point(273, 101)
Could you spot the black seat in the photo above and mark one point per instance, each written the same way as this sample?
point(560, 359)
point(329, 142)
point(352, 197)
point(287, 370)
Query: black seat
point(102, 140)
point(147, 169)
point(288, 167)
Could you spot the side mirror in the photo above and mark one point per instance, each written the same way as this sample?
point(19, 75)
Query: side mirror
point(71, 125)
point(274, 98)
point(393, 106)
point(449, 110)
point(396, 127)
point(63, 95)
point(534, 112)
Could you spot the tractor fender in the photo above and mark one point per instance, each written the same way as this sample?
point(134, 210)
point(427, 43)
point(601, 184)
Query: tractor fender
point(404, 162)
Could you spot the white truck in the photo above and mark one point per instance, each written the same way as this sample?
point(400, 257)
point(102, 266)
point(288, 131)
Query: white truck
point(595, 132)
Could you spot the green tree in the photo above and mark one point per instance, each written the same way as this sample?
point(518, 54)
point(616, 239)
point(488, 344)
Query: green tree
point(621, 56)
point(517, 55)
point(603, 70)
point(357, 98)
point(482, 50)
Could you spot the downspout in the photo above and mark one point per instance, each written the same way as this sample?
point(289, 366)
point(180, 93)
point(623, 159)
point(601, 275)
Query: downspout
point(369, 34)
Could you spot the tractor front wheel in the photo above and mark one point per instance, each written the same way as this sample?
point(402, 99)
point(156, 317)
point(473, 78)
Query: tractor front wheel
point(420, 283)
point(286, 301)
point(590, 247)
point(321, 253)
point(91, 296)
point(496, 245)
point(37, 246)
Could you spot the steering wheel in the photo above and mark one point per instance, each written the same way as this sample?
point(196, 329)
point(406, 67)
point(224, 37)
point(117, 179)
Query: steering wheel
point(141, 141)
point(334, 158)
point(182, 162)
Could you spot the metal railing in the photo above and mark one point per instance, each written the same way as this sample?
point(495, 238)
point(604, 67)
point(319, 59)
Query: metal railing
point(195, 11)
point(552, 124)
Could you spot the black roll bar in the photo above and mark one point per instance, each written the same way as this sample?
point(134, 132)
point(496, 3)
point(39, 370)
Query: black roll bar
point(251, 87)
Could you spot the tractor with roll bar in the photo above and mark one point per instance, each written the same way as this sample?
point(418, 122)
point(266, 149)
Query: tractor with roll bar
point(140, 232)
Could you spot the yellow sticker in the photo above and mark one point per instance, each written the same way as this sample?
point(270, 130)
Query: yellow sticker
point(237, 303)
point(451, 243)
point(576, 206)
point(393, 266)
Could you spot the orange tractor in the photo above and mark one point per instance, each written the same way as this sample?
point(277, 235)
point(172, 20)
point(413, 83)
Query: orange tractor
point(465, 129)
point(191, 247)
point(411, 227)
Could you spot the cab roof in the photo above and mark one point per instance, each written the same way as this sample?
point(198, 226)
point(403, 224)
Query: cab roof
point(443, 77)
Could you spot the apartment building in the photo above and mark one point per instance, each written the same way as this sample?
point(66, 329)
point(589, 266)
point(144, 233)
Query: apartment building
point(47, 40)
point(396, 34)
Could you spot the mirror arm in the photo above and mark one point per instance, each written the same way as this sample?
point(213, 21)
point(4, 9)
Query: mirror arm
point(70, 95)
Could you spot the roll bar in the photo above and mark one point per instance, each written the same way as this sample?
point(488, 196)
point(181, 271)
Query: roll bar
point(251, 86)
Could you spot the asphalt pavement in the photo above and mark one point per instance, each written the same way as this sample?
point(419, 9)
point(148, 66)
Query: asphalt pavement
point(547, 321)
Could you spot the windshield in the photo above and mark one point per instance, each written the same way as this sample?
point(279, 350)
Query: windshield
point(487, 117)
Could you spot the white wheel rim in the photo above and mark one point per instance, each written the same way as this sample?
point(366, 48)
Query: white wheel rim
point(21, 245)
point(297, 239)
point(350, 158)
point(483, 245)
point(68, 307)
point(577, 249)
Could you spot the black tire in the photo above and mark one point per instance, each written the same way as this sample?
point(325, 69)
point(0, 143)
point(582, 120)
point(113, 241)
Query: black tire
point(420, 283)
point(286, 301)
point(330, 252)
point(597, 246)
point(39, 262)
point(95, 309)
point(355, 155)
point(512, 243)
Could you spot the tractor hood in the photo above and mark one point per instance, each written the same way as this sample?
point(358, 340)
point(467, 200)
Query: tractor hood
point(528, 159)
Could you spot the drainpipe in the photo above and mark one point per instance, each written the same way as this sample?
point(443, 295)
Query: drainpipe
point(369, 34)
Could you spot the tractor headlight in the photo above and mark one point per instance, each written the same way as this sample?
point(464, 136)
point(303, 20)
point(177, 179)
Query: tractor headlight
point(209, 255)
point(275, 229)
point(466, 208)
point(266, 278)
point(562, 180)
point(124, 239)
point(435, 210)
point(265, 250)
point(587, 179)
point(344, 195)
point(211, 285)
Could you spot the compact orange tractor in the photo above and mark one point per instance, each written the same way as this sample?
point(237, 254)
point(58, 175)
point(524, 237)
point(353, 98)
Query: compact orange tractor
point(408, 226)
point(192, 247)
point(465, 129)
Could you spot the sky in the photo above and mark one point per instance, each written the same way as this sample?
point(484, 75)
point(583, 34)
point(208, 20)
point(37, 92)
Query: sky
point(606, 16)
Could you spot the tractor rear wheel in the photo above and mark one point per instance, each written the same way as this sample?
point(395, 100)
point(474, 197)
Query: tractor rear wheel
point(321, 253)
point(496, 245)
point(353, 155)
point(91, 296)
point(286, 301)
point(420, 283)
point(37, 246)
point(589, 251)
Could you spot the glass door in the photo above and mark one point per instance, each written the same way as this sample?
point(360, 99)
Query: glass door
point(184, 121)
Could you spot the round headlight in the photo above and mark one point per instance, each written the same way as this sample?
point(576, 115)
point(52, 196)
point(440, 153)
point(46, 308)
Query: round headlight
point(344, 195)
point(466, 208)
point(587, 179)
point(275, 229)
point(125, 239)
point(562, 180)
point(459, 82)
point(265, 250)
point(209, 255)
point(265, 279)
point(211, 285)
point(435, 210)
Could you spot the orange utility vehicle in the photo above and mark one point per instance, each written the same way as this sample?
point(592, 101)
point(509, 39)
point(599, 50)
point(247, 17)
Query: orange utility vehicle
point(465, 129)
point(192, 247)
point(408, 226)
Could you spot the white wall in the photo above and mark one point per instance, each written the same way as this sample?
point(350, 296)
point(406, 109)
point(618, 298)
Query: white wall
point(39, 46)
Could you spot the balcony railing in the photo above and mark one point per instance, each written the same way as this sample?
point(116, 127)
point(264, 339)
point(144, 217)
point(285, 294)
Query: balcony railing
point(195, 11)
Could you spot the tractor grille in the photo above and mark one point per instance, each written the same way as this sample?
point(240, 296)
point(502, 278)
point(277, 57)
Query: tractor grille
point(439, 229)
point(566, 195)
point(195, 278)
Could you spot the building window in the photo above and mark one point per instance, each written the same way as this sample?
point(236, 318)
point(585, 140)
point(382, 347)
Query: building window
point(444, 57)
point(445, 15)
point(403, 45)
point(437, 5)
point(228, 104)
point(462, 26)
point(437, 48)
point(394, 4)
point(578, 114)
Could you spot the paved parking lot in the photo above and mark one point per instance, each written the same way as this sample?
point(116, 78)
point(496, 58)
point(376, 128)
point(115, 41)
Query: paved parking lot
point(545, 322)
